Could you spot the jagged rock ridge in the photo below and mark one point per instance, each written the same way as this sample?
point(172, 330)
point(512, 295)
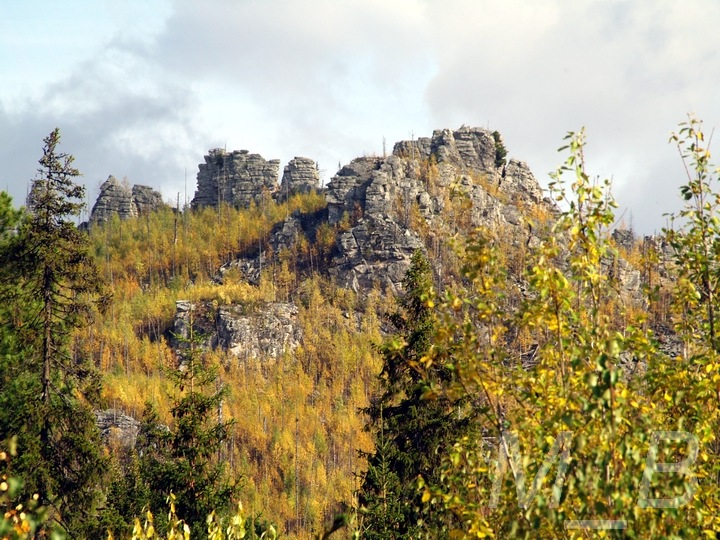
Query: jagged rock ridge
point(384, 196)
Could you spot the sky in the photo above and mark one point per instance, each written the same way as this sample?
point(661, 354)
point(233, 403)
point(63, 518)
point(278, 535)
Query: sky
point(142, 89)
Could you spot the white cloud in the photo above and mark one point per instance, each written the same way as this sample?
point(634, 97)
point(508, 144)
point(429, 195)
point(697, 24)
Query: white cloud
point(148, 90)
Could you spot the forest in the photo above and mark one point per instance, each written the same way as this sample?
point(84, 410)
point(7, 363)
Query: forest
point(517, 386)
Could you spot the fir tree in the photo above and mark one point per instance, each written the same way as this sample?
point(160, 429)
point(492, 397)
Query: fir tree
point(9, 217)
point(410, 424)
point(185, 459)
point(9, 221)
point(46, 393)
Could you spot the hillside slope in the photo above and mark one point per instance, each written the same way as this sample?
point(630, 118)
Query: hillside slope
point(292, 290)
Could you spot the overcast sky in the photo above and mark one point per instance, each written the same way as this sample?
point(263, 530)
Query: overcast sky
point(142, 89)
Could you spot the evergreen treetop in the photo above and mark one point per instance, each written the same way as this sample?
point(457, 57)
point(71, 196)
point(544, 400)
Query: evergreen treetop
point(51, 288)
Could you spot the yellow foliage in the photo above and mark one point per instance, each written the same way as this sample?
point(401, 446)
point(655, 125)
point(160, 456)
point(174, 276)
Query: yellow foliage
point(322, 385)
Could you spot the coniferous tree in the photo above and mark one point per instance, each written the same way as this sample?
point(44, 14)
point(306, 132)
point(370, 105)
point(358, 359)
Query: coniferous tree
point(410, 423)
point(184, 459)
point(9, 217)
point(51, 288)
point(9, 221)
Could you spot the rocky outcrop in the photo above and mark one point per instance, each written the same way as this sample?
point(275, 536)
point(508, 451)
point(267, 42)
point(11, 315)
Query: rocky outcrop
point(346, 191)
point(374, 253)
point(265, 331)
point(286, 233)
point(117, 429)
point(386, 201)
point(114, 198)
point(127, 202)
point(465, 149)
point(237, 178)
point(300, 175)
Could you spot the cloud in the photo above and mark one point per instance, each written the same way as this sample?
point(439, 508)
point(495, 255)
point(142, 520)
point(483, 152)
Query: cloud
point(628, 71)
point(116, 116)
point(328, 80)
point(323, 78)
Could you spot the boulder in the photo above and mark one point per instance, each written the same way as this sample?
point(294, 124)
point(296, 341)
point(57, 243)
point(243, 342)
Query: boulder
point(117, 428)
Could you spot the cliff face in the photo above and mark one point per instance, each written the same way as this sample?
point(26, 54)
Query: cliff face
point(119, 198)
point(300, 175)
point(268, 331)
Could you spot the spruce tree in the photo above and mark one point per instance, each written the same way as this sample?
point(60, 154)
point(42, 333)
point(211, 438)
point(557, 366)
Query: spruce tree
point(410, 424)
point(51, 288)
point(9, 221)
point(184, 459)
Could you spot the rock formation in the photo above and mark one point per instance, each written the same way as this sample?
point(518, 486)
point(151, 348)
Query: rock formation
point(387, 200)
point(380, 210)
point(300, 175)
point(146, 199)
point(127, 202)
point(383, 209)
point(237, 178)
point(266, 331)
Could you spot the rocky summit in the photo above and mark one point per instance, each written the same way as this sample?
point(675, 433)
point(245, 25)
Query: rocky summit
point(386, 208)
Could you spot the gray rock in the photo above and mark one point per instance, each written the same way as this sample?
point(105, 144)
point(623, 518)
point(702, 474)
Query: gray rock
point(114, 198)
point(416, 149)
point(264, 331)
point(519, 183)
point(119, 198)
point(300, 175)
point(374, 253)
point(624, 238)
point(469, 148)
point(628, 277)
point(285, 236)
point(379, 205)
point(270, 331)
point(237, 178)
point(346, 190)
point(383, 197)
point(146, 199)
point(117, 428)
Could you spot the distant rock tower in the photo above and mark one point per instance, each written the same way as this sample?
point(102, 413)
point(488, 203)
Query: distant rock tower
point(119, 198)
point(237, 178)
point(300, 175)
